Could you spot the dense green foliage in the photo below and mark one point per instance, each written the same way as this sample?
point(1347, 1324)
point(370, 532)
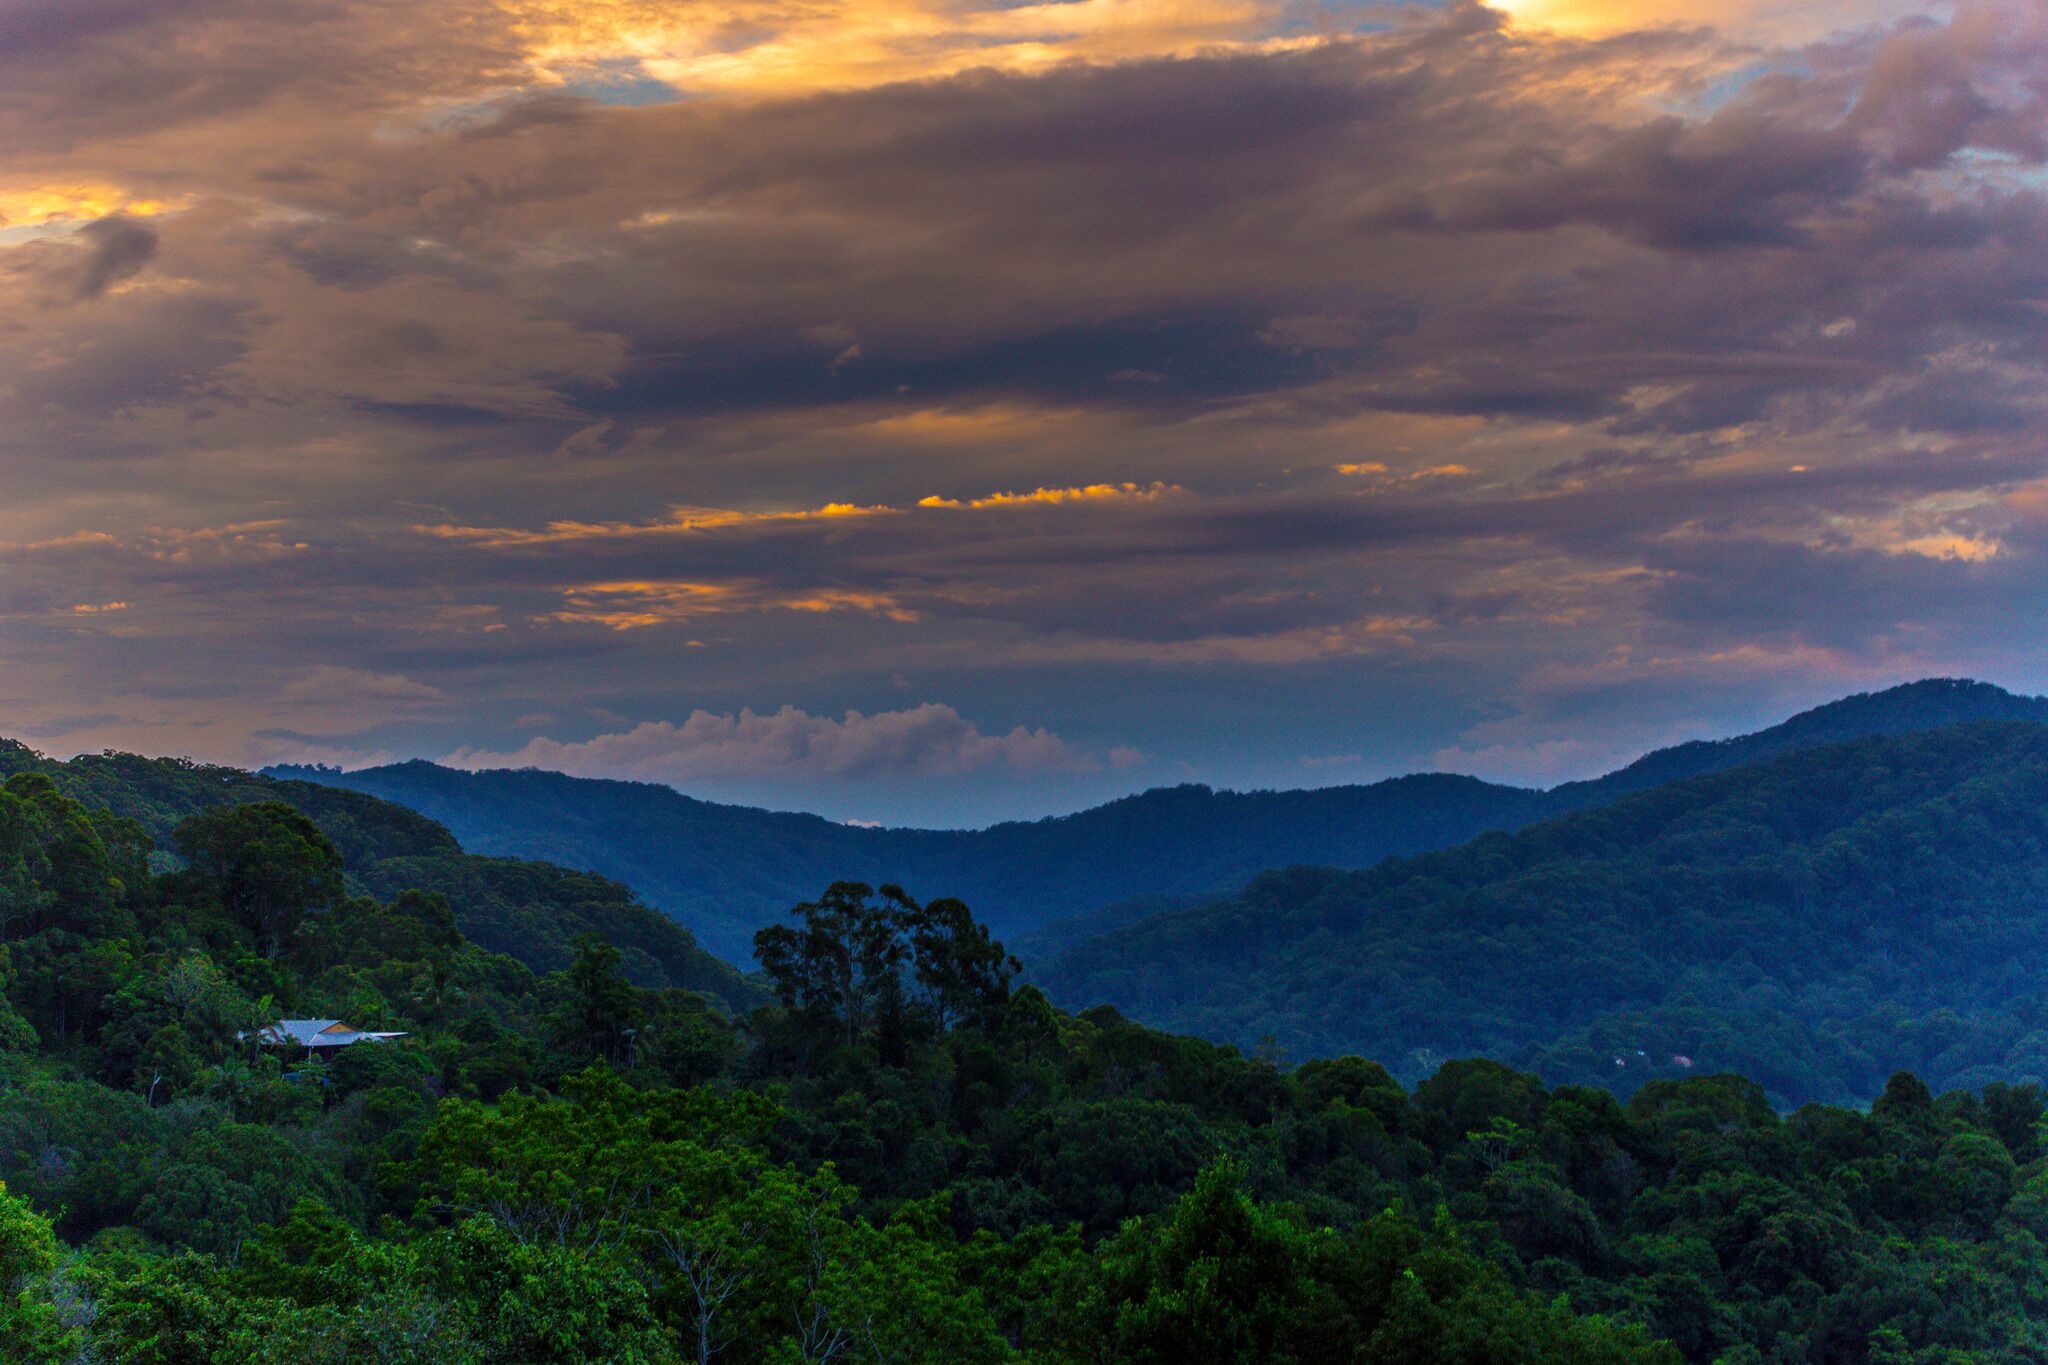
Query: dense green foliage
point(903, 1157)
point(531, 911)
point(1815, 921)
point(727, 870)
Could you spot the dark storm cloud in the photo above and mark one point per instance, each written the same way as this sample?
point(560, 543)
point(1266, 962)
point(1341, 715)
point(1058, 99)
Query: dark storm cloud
point(1161, 361)
point(428, 344)
point(1853, 600)
point(1050, 234)
point(72, 71)
point(119, 248)
point(1741, 178)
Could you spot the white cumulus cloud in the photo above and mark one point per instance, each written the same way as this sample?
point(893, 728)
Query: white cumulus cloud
point(931, 740)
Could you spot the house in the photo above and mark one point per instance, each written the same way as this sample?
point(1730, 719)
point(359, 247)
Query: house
point(317, 1033)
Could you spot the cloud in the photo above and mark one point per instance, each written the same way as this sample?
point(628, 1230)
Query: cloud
point(60, 726)
point(1750, 19)
point(424, 343)
point(680, 521)
point(504, 357)
point(119, 248)
point(763, 48)
point(1539, 763)
point(283, 748)
point(1096, 492)
point(1747, 176)
point(1308, 644)
point(930, 740)
point(1933, 92)
point(635, 606)
point(331, 684)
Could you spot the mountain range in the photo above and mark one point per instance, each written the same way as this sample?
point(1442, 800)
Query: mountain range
point(1860, 888)
point(1815, 920)
point(725, 871)
point(539, 1165)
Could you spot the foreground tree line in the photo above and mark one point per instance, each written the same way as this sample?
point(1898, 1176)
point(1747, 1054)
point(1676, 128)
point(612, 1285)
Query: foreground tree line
point(904, 1157)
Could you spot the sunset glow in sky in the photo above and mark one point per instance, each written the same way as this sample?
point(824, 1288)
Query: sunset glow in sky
point(936, 411)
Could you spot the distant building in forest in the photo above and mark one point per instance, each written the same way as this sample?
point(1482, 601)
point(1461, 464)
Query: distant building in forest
point(317, 1033)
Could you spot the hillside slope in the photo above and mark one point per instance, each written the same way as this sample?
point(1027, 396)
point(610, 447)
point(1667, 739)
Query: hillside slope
point(533, 1166)
point(532, 911)
point(1929, 704)
point(726, 870)
point(1818, 920)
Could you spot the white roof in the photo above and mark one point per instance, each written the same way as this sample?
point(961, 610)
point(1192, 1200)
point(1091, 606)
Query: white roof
point(318, 1033)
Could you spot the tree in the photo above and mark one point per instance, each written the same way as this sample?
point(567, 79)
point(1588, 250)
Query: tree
point(530, 1302)
point(833, 967)
point(54, 869)
point(29, 1324)
point(220, 1183)
point(602, 1008)
point(167, 1065)
point(190, 994)
point(267, 864)
point(25, 894)
point(849, 961)
point(1218, 1279)
point(301, 1258)
point(965, 973)
point(27, 1246)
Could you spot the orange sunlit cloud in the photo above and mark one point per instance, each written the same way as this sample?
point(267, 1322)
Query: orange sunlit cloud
point(1754, 20)
point(769, 48)
point(636, 606)
point(680, 521)
point(690, 520)
point(30, 206)
point(1053, 497)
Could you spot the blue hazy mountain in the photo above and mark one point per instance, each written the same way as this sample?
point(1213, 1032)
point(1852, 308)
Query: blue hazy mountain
point(726, 870)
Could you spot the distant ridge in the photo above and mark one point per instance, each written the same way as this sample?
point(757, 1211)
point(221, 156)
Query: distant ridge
point(1928, 704)
point(725, 870)
point(1817, 919)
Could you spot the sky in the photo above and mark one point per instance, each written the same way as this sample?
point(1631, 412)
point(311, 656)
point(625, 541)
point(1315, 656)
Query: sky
point(938, 411)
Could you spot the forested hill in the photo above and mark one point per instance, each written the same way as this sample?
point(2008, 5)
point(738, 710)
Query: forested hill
point(1926, 705)
point(1816, 921)
point(531, 911)
point(726, 870)
point(899, 1157)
